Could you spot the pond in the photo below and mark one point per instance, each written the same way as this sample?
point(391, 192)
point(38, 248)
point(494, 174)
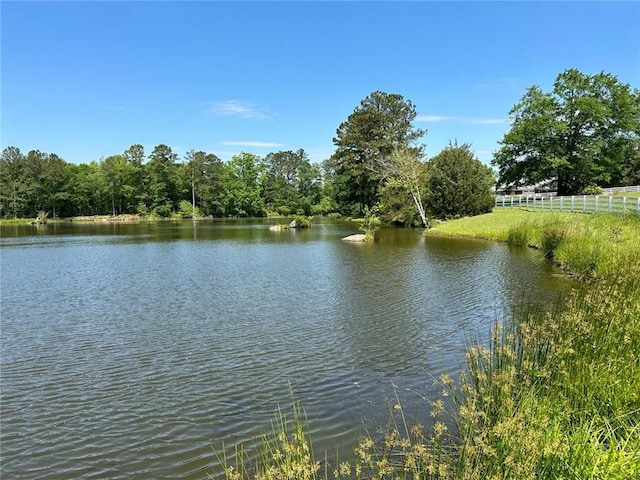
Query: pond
point(137, 350)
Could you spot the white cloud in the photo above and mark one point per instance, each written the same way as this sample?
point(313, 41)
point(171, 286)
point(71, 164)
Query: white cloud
point(432, 118)
point(236, 108)
point(243, 143)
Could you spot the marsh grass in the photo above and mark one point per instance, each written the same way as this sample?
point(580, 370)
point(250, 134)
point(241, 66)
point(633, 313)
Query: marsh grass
point(518, 235)
point(283, 454)
point(557, 394)
point(553, 234)
point(554, 394)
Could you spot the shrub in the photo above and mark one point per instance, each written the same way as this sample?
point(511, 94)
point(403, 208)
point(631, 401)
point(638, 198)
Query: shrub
point(592, 190)
point(370, 224)
point(302, 222)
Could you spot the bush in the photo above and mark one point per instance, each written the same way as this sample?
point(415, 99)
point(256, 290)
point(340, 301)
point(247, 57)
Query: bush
point(302, 222)
point(592, 190)
point(370, 223)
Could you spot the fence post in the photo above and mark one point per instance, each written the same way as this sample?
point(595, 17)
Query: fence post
point(624, 206)
point(638, 208)
point(550, 203)
point(584, 204)
point(512, 201)
point(596, 207)
point(572, 202)
point(610, 207)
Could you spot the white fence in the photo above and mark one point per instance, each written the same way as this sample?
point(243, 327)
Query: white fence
point(575, 203)
point(612, 190)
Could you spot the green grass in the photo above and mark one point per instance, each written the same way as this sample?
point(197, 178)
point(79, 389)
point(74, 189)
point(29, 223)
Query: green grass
point(584, 244)
point(627, 194)
point(492, 226)
point(15, 221)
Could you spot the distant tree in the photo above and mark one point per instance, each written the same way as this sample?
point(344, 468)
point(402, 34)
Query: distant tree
point(381, 124)
point(632, 172)
point(43, 181)
point(134, 156)
point(458, 183)
point(586, 131)
point(205, 175)
point(83, 192)
point(242, 186)
point(122, 180)
point(15, 186)
point(162, 181)
point(291, 184)
point(404, 175)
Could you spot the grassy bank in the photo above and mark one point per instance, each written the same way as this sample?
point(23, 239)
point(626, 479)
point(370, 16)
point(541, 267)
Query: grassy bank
point(557, 394)
point(590, 245)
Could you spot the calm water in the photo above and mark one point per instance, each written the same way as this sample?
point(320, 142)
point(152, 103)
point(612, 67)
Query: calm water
point(134, 351)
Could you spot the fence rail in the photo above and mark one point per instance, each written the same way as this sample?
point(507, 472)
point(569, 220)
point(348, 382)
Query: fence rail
point(575, 203)
point(633, 188)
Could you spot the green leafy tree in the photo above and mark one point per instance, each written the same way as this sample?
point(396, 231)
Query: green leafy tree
point(458, 183)
point(122, 181)
point(83, 192)
point(586, 131)
point(404, 176)
point(381, 124)
point(134, 156)
point(205, 177)
point(243, 196)
point(15, 186)
point(291, 183)
point(162, 182)
point(43, 181)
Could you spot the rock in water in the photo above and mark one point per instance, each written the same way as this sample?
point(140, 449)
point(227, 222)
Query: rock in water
point(358, 237)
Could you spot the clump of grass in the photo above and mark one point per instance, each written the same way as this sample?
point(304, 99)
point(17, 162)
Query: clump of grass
point(552, 236)
point(405, 452)
point(518, 235)
point(284, 454)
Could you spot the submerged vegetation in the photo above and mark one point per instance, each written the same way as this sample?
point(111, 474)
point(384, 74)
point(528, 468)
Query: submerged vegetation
point(555, 394)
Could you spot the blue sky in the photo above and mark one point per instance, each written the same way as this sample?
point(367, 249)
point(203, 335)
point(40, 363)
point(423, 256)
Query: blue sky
point(86, 80)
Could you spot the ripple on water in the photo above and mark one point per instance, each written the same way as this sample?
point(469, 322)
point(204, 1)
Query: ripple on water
point(133, 354)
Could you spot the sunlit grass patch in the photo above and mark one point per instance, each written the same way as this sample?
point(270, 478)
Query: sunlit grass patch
point(493, 226)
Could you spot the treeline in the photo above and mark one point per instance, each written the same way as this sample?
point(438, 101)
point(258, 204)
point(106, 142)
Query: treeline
point(161, 184)
point(585, 133)
point(452, 183)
